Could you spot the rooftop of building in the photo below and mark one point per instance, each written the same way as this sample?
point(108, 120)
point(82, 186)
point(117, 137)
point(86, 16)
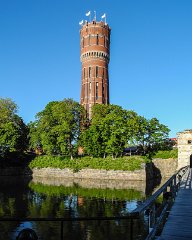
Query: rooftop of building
point(185, 131)
point(95, 23)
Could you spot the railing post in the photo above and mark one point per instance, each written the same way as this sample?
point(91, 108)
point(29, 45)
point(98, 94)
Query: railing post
point(149, 220)
point(131, 229)
point(61, 230)
point(174, 187)
point(153, 213)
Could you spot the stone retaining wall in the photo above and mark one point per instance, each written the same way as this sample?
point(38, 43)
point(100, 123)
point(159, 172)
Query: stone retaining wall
point(91, 174)
point(166, 167)
point(159, 168)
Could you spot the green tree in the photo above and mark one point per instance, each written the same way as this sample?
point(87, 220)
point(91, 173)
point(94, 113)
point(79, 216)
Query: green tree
point(92, 142)
point(108, 131)
point(13, 131)
point(57, 127)
point(112, 128)
point(151, 135)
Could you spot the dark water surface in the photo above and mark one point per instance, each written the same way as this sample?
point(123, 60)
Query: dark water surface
point(45, 198)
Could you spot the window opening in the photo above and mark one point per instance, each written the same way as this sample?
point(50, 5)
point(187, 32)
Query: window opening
point(97, 86)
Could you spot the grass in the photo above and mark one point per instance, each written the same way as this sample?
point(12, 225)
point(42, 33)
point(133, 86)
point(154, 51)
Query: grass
point(128, 163)
point(167, 154)
point(124, 163)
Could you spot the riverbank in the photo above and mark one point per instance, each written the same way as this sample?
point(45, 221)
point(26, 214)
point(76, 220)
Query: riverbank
point(158, 168)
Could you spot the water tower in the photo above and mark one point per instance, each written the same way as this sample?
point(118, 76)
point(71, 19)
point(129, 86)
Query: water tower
point(95, 56)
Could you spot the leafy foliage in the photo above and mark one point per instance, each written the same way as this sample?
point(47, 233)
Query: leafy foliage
point(112, 128)
point(57, 127)
point(13, 131)
point(151, 136)
point(62, 127)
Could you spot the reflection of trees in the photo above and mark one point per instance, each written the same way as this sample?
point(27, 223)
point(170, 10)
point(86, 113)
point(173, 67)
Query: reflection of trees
point(69, 206)
point(13, 202)
point(68, 202)
point(112, 194)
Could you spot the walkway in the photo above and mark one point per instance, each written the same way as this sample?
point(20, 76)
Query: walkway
point(179, 222)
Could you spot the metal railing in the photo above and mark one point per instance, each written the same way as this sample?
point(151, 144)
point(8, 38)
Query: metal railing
point(147, 209)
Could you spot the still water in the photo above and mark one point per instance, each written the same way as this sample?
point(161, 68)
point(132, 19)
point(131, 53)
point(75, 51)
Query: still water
point(55, 198)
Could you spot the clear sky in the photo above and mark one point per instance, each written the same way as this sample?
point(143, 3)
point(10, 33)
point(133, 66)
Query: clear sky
point(151, 55)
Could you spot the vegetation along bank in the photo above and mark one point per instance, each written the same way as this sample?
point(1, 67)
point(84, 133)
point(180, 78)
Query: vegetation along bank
point(66, 139)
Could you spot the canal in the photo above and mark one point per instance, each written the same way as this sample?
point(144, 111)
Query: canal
point(57, 198)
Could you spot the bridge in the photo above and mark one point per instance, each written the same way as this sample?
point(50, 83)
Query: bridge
point(168, 212)
point(170, 221)
point(178, 224)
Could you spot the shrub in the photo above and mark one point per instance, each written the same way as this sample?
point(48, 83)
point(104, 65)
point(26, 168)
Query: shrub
point(124, 163)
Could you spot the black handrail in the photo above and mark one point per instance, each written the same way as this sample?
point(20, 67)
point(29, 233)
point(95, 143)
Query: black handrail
point(153, 198)
point(168, 197)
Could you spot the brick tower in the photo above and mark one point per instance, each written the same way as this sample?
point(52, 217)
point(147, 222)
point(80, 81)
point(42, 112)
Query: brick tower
point(95, 54)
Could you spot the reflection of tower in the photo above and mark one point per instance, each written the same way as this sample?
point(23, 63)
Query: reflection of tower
point(95, 53)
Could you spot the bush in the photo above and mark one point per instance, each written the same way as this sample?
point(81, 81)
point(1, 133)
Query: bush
point(124, 163)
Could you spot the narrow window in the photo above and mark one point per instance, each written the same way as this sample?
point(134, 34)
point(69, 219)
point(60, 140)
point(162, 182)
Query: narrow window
point(104, 41)
point(97, 71)
point(97, 40)
point(89, 72)
point(83, 90)
point(89, 39)
point(90, 90)
point(83, 42)
point(84, 73)
point(103, 72)
point(97, 86)
point(90, 87)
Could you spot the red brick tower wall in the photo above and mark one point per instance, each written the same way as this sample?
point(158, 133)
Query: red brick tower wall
point(95, 54)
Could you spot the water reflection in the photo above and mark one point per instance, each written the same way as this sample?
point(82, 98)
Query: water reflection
point(21, 197)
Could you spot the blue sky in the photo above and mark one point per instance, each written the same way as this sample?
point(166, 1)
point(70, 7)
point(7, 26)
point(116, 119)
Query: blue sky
point(151, 55)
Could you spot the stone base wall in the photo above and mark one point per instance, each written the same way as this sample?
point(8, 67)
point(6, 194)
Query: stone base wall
point(166, 167)
point(91, 174)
